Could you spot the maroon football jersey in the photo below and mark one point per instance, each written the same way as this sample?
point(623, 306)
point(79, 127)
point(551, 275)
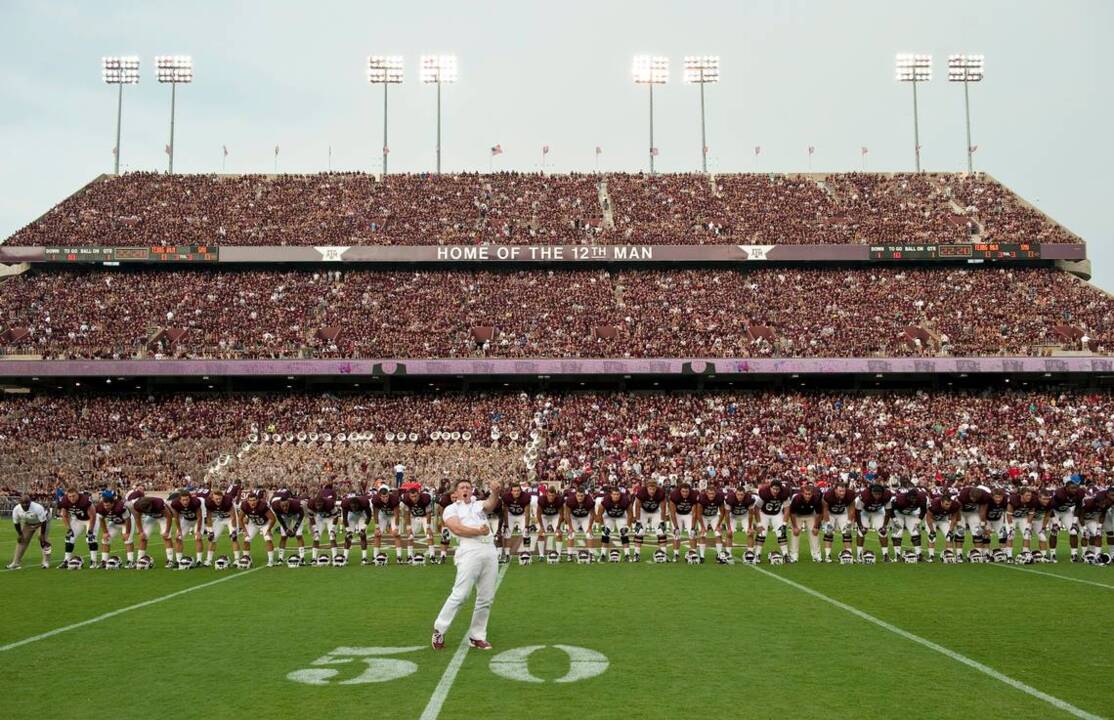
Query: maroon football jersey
point(995, 509)
point(651, 502)
point(117, 513)
point(293, 508)
point(1064, 500)
point(710, 506)
point(78, 509)
point(683, 505)
point(838, 505)
point(356, 504)
point(580, 508)
point(814, 505)
point(1093, 507)
point(550, 508)
point(1018, 508)
point(258, 514)
point(187, 508)
point(939, 511)
point(133, 495)
point(615, 508)
point(156, 508)
point(772, 504)
point(516, 505)
point(872, 504)
point(737, 506)
point(223, 509)
point(911, 504)
point(419, 506)
point(445, 500)
point(385, 504)
point(971, 498)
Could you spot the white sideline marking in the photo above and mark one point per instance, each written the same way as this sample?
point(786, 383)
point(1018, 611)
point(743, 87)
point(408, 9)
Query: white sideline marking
point(1055, 575)
point(129, 608)
point(1016, 684)
point(433, 707)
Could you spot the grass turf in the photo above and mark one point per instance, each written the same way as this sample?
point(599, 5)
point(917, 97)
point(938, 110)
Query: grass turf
point(681, 641)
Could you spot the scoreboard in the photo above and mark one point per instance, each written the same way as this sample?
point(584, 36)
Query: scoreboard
point(150, 254)
point(958, 251)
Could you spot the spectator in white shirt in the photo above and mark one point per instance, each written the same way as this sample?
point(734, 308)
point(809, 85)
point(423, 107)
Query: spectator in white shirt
point(29, 517)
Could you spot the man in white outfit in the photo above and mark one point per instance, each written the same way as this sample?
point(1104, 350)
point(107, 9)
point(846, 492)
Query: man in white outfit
point(477, 562)
point(30, 517)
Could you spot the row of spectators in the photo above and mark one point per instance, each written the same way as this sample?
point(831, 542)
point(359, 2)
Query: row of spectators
point(782, 312)
point(730, 437)
point(344, 209)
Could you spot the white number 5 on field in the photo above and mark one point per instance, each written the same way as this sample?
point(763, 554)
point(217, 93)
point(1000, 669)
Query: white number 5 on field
point(376, 668)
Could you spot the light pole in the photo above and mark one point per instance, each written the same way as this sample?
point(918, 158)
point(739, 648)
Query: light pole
point(702, 69)
point(173, 69)
point(966, 69)
point(651, 70)
point(384, 70)
point(119, 71)
point(438, 69)
point(914, 69)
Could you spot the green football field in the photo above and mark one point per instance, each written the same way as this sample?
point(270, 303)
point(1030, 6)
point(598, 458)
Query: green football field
point(602, 641)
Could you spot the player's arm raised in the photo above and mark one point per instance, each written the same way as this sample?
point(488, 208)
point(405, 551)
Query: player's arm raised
point(496, 489)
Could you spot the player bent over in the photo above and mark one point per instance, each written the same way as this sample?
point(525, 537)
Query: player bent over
point(973, 500)
point(838, 517)
point(1092, 514)
point(616, 516)
point(649, 514)
point(1066, 501)
point(773, 497)
point(943, 514)
point(151, 513)
point(806, 507)
point(997, 524)
point(417, 508)
point(1021, 508)
point(872, 510)
point(517, 518)
point(187, 518)
point(580, 512)
point(289, 518)
point(324, 516)
point(220, 518)
point(740, 509)
point(29, 518)
point(909, 508)
point(79, 519)
point(386, 505)
point(550, 512)
point(443, 501)
point(256, 518)
point(355, 518)
point(682, 515)
point(115, 522)
point(710, 520)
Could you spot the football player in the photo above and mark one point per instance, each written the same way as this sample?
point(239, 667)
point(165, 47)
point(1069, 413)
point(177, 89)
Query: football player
point(387, 514)
point(649, 513)
point(516, 517)
point(872, 511)
point(550, 512)
point(187, 517)
point(580, 510)
point(943, 511)
point(740, 510)
point(149, 513)
point(772, 515)
point(805, 510)
point(79, 519)
point(1066, 500)
point(1021, 507)
point(355, 518)
point(909, 508)
point(838, 517)
point(220, 517)
point(29, 518)
point(289, 517)
point(996, 520)
point(710, 519)
point(444, 500)
point(972, 501)
point(417, 507)
point(324, 515)
point(616, 516)
point(115, 522)
point(257, 518)
point(1092, 513)
point(682, 506)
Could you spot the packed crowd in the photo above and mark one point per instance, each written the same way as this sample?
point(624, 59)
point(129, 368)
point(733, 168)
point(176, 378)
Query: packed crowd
point(142, 209)
point(272, 441)
point(777, 312)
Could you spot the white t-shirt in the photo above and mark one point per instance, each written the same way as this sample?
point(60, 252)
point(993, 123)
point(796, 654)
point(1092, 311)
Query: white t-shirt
point(470, 514)
point(36, 514)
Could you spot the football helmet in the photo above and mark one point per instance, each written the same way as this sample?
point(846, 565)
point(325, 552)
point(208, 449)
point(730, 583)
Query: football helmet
point(553, 557)
point(846, 558)
point(615, 556)
point(1024, 557)
point(868, 557)
point(1038, 556)
point(776, 558)
point(1089, 558)
point(185, 563)
point(524, 558)
point(692, 558)
point(75, 563)
point(583, 557)
point(1000, 556)
point(1102, 559)
point(975, 556)
point(723, 558)
point(244, 562)
point(750, 558)
point(112, 563)
point(339, 560)
point(293, 561)
point(911, 556)
point(381, 560)
point(221, 563)
point(660, 556)
point(144, 562)
point(322, 561)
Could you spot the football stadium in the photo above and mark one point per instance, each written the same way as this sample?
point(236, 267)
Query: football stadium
point(654, 418)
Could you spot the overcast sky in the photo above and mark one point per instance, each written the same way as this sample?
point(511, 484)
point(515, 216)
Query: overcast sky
point(794, 73)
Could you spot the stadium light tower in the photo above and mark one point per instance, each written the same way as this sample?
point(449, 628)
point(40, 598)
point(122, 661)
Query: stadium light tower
point(119, 71)
point(173, 69)
point(651, 70)
point(966, 69)
point(438, 69)
point(702, 69)
point(914, 69)
point(385, 70)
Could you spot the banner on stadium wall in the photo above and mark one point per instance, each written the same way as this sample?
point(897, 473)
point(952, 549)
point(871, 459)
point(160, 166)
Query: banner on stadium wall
point(482, 367)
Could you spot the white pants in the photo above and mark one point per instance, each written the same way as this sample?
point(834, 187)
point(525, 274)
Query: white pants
point(221, 525)
point(684, 525)
point(903, 523)
point(149, 523)
point(419, 525)
point(80, 529)
point(805, 523)
point(113, 531)
point(580, 525)
point(357, 522)
point(738, 524)
point(515, 523)
point(477, 567)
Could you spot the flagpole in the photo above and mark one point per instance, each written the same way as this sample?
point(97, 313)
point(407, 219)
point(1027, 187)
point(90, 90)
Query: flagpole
point(651, 85)
point(967, 111)
point(120, 107)
point(438, 122)
point(703, 135)
point(385, 129)
point(173, 85)
point(916, 127)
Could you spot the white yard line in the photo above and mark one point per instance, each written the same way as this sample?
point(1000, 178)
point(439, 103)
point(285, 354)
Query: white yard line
point(433, 708)
point(1016, 684)
point(1055, 575)
point(129, 608)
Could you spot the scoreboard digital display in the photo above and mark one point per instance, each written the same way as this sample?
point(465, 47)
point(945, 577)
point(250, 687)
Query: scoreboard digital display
point(150, 254)
point(958, 251)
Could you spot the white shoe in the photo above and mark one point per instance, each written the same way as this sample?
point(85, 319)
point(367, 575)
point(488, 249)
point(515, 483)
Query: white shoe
point(13, 566)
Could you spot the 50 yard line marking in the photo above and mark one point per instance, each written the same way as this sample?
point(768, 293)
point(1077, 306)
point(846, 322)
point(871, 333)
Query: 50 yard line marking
point(985, 669)
point(129, 608)
point(433, 707)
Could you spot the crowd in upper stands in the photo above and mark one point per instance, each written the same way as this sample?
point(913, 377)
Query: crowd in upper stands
point(345, 209)
point(171, 440)
point(768, 312)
